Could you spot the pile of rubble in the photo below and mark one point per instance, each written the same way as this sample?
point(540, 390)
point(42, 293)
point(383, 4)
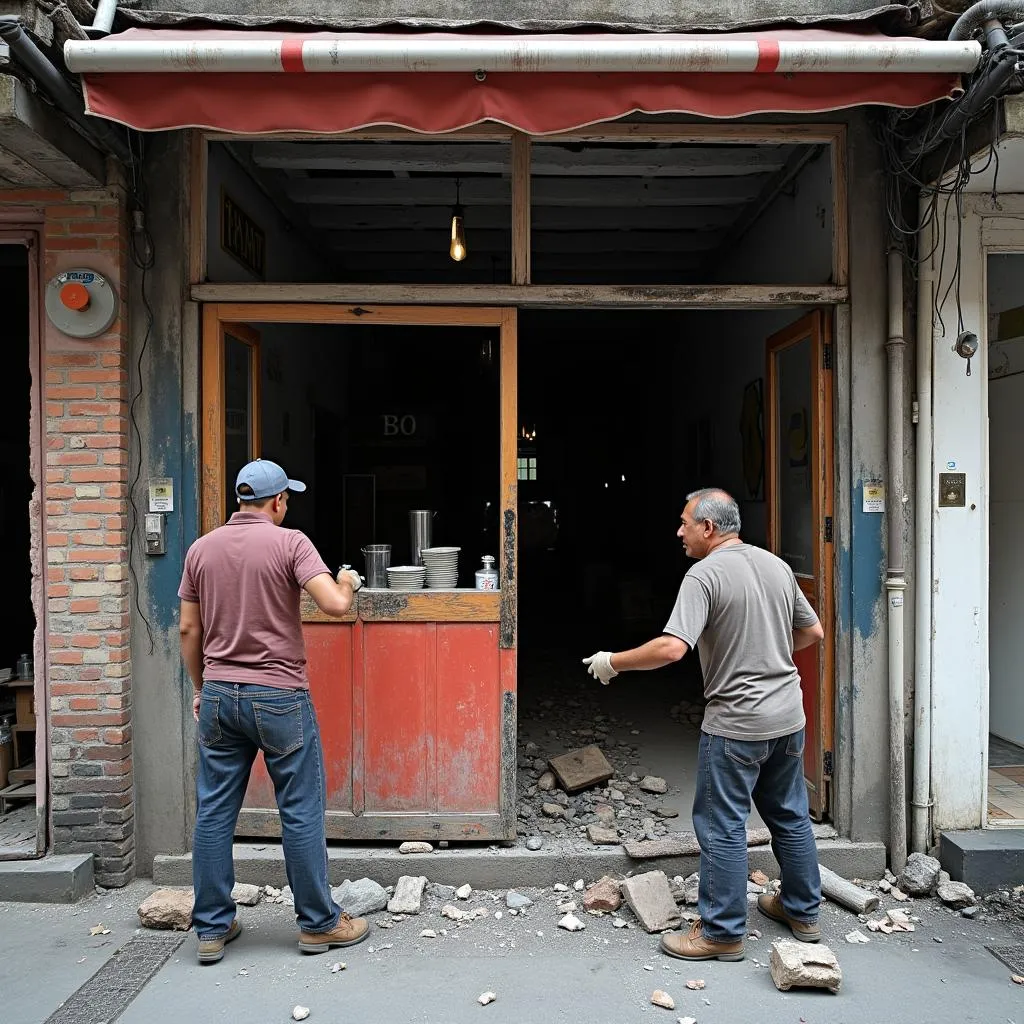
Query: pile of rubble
point(621, 802)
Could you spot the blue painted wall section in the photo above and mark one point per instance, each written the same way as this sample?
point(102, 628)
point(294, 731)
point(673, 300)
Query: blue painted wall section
point(865, 565)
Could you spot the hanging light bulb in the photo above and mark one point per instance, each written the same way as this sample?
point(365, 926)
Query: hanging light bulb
point(457, 249)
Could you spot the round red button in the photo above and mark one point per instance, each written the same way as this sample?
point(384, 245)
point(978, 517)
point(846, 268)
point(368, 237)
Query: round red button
point(75, 296)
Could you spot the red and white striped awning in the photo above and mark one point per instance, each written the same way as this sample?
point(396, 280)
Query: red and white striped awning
point(261, 82)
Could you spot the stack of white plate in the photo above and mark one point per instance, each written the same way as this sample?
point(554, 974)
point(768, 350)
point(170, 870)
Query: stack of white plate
point(442, 566)
point(406, 577)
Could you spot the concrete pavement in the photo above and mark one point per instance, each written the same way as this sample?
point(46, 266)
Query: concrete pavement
point(598, 975)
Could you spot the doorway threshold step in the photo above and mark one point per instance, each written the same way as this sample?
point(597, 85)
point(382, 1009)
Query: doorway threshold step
point(494, 867)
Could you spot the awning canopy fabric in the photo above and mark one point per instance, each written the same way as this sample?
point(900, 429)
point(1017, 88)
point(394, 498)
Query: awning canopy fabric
point(299, 89)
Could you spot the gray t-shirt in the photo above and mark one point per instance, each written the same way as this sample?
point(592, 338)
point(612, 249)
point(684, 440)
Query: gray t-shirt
point(739, 607)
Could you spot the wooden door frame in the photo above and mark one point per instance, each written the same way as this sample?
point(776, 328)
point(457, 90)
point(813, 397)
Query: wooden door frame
point(213, 497)
point(818, 327)
point(216, 317)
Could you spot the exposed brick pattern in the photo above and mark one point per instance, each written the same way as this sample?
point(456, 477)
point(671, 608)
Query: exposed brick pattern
point(84, 397)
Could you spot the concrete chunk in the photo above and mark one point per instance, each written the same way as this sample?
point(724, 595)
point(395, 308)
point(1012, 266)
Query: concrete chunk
point(920, 875)
point(601, 836)
point(647, 849)
point(604, 895)
point(408, 895)
point(245, 894)
point(168, 908)
point(653, 784)
point(650, 898)
point(361, 897)
point(582, 768)
point(802, 965)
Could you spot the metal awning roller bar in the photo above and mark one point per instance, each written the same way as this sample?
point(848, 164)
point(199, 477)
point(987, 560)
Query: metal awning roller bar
point(552, 53)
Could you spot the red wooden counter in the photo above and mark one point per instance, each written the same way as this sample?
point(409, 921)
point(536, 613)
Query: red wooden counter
point(416, 698)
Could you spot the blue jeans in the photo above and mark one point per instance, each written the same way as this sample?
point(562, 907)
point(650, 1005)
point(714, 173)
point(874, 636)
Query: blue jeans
point(729, 774)
point(235, 721)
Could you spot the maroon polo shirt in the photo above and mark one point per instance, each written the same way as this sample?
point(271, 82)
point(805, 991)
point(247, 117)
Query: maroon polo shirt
point(247, 577)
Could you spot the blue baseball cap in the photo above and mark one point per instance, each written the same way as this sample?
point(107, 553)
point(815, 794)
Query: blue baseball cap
point(266, 479)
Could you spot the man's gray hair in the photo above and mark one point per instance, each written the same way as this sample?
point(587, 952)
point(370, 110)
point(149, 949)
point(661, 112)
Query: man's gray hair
point(718, 507)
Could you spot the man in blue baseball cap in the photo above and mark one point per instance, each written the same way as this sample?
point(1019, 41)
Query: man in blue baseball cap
point(241, 640)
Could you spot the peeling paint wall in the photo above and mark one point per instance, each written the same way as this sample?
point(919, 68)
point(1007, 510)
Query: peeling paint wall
point(165, 353)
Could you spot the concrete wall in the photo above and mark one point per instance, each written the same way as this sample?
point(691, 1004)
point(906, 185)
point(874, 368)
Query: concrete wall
point(166, 410)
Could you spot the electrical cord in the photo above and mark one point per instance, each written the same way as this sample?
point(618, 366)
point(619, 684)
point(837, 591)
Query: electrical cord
point(142, 254)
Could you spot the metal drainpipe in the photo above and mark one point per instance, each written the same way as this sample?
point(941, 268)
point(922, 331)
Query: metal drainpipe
point(103, 19)
point(27, 56)
point(895, 581)
point(920, 801)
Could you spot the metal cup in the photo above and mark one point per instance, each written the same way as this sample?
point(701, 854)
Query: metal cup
point(378, 558)
point(421, 532)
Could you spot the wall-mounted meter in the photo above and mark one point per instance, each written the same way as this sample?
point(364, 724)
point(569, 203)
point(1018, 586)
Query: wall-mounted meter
point(81, 303)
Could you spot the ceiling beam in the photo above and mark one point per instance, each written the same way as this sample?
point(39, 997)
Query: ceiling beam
point(545, 191)
point(545, 218)
point(613, 242)
point(495, 158)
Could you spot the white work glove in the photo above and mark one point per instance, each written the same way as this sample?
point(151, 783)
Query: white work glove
point(351, 575)
point(600, 667)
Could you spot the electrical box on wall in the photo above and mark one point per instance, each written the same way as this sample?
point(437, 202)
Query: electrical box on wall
point(81, 303)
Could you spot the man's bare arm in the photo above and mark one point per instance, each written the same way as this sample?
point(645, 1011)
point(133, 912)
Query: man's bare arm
point(332, 597)
point(804, 636)
point(662, 650)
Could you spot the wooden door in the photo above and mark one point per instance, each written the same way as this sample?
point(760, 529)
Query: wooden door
point(799, 492)
point(231, 413)
point(415, 693)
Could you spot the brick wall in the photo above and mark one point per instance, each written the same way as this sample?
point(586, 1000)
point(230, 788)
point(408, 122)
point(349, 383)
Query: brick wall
point(84, 396)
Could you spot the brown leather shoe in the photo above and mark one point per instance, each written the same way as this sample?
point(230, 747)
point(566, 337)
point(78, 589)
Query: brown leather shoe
point(695, 946)
point(770, 904)
point(212, 950)
point(347, 932)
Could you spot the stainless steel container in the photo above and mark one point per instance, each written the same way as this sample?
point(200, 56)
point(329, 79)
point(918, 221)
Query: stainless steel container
point(378, 558)
point(421, 533)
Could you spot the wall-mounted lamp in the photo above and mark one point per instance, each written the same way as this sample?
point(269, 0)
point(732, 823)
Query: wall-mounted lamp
point(457, 249)
point(966, 347)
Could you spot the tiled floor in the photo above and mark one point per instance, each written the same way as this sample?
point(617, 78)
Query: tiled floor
point(1006, 794)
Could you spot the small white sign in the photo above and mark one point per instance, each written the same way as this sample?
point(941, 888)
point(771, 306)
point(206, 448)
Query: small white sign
point(874, 497)
point(161, 494)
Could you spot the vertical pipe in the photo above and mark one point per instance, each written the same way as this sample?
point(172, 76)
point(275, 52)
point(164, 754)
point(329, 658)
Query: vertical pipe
point(895, 582)
point(920, 800)
point(103, 19)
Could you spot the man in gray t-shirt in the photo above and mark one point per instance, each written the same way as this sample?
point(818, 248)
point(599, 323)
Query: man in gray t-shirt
point(743, 609)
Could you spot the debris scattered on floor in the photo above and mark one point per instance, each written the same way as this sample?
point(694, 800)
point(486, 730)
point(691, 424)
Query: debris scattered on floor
point(464, 891)
point(571, 923)
point(166, 908)
point(100, 930)
point(1017, 979)
point(486, 997)
point(338, 967)
point(695, 985)
point(359, 898)
point(691, 1020)
point(603, 896)
point(428, 933)
point(920, 875)
point(650, 898)
point(408, 895)
point(581, 769)
point(660, 998)
point(517, 901)
point(759, 878)
point(300, 1013)
point(534, 843)
point(653, 784)
point(246, 895)
point(957, 895)
point(856, 936)
point(415, 848)
point(803, 965)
